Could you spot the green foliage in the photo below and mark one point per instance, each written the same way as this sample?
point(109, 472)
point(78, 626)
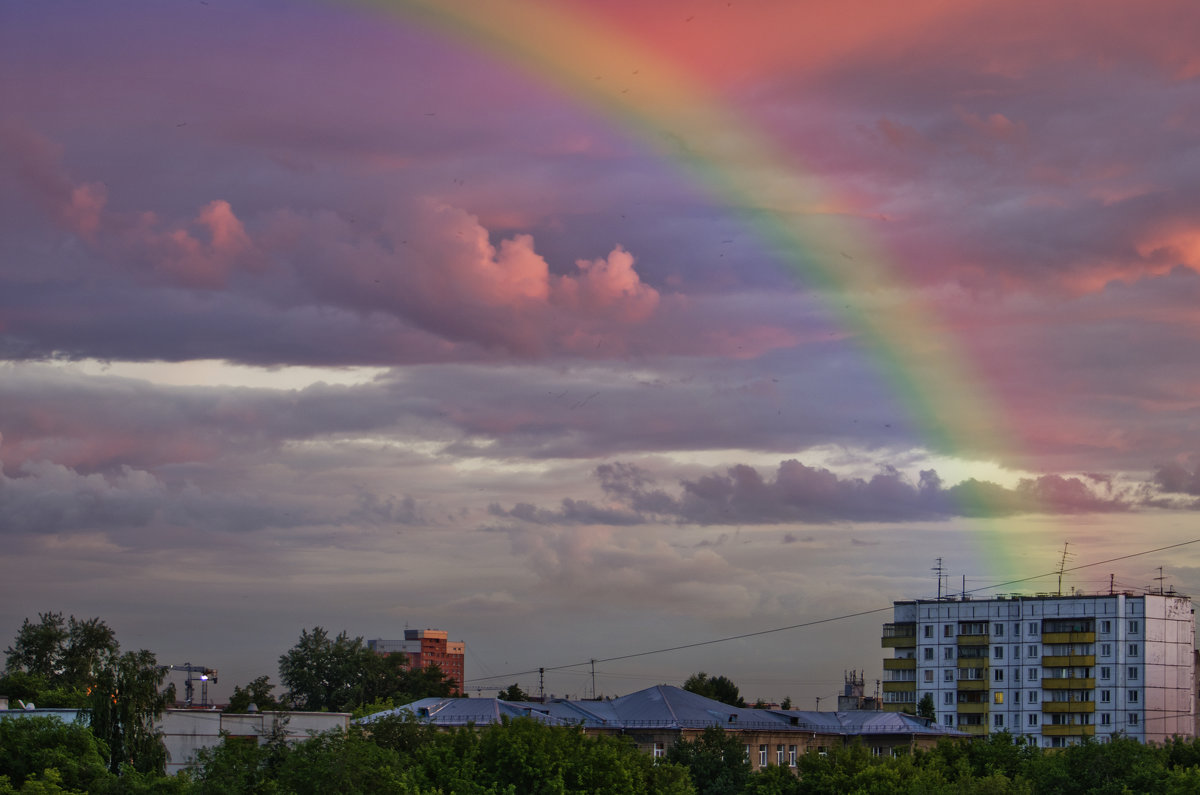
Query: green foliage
point(718, 688)
point(716, 761)
point(513, 693)
point(29, 746)
point(53, 662)
point(786, 703)
point(341, 675)
point(258, 693)
point(122, 708)
point(926, 708)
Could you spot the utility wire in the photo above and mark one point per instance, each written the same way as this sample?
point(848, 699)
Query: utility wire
point(831, 620)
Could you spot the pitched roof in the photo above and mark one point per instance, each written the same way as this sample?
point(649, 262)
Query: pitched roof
point(665, 707)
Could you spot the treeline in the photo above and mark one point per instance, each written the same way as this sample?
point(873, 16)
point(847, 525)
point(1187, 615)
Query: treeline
point(396, 754)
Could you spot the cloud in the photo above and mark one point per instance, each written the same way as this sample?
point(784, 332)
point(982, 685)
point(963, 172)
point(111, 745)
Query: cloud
point(1177, 479)
point(812, 495)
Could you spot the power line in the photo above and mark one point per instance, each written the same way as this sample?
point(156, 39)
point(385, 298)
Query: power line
point(846, 616)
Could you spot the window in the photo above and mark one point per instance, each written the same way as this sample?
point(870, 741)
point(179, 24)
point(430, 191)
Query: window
point(779, 757)
point(1133, 673)
point(1032, 674)
point(948, 719)
point(1033, 696)
point(948, 675)
point(1031, 651)
point(1105, 649)
point(1133, 626)
point(1105, 719)
point(1133, 697)
point(762, 756)
point(1105, 696)
point(928, 653)
point(947, 698)
point(1133, 718)
point(1032, 719)
point(791, 756)
point(1105, 672)
point(1033, 628)
point(947, 630)
point(747, 752)
point(1106, 626)
point(998, 675)
point(928, 628)
point(1017, 697)
point(928, 676)
point(998, 630)
point(948, 653)
point(998, 652)
point(997, 720)
point(1133, 650)
point(660, 750)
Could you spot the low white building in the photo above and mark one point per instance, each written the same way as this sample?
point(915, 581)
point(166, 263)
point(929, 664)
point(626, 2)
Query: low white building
point(186, 731)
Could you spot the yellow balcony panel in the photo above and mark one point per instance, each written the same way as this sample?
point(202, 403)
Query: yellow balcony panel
point(900, 664)
point(899, 707)
point(1074, 661)
point(1069, 706)
point(900, 642)
point(972, 662)
point(1068, 731)
point(1068, 637)
point(899, 687)
point(980, 729)
point(972, 684)
point(971, 640)
point(1068, 684)
point(972, 709)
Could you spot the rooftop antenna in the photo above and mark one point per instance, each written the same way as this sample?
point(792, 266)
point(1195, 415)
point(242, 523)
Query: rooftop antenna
point(542, 684)
point(1110, 584)
point(1160, 580)
point(1062, 564)
point(937, 569)
point(593, 679)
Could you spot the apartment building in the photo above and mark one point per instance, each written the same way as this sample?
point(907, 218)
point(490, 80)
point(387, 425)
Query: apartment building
point(426, 647)
point(1053, 668)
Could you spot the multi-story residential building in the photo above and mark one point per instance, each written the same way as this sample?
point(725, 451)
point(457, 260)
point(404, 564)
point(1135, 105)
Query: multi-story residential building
point(1054, 668)
point(426, 647)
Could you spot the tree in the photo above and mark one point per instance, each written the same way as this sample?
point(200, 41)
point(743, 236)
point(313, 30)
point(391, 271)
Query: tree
point(513, 693)
point(716, 761)
point(122, 709)
point(258, 693)
point(31, 746)
point(926, 708)
point(323, 673)
point(787, 703)
point(53, 662)
point(718, 688)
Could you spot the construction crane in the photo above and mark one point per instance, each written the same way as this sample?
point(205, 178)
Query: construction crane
point(206, 675)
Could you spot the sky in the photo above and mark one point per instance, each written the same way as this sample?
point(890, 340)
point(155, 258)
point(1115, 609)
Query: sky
point(587, 329)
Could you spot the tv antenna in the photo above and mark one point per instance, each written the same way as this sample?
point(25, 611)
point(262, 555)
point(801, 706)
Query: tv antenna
point(1062, 564)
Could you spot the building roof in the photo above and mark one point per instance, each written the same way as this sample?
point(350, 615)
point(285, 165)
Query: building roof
point(663, 707)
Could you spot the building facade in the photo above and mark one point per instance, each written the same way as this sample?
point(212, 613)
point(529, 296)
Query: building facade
point(426, 647)
point(1053, 668)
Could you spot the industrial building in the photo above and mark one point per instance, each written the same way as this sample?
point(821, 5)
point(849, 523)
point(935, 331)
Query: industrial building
point(658, 717)
point(426, 647)
point(1053, 668)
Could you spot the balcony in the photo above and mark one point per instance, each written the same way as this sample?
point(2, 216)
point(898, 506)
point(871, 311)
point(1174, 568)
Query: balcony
point(1069, 684)
point(1068, 637)
point(1068, 731)
point(1069, 706)
point(972, 709)
point(980, 730)
point(972, 640)
point(900, 664)
point(972, 662)
point(900, 687)
point(972, 684)
point(1074, 661)
point(899, 636)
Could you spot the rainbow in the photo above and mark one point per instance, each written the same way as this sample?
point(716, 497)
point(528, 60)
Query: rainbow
point(589, 60)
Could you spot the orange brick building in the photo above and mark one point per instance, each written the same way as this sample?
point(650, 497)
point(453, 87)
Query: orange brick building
point(426, 647)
